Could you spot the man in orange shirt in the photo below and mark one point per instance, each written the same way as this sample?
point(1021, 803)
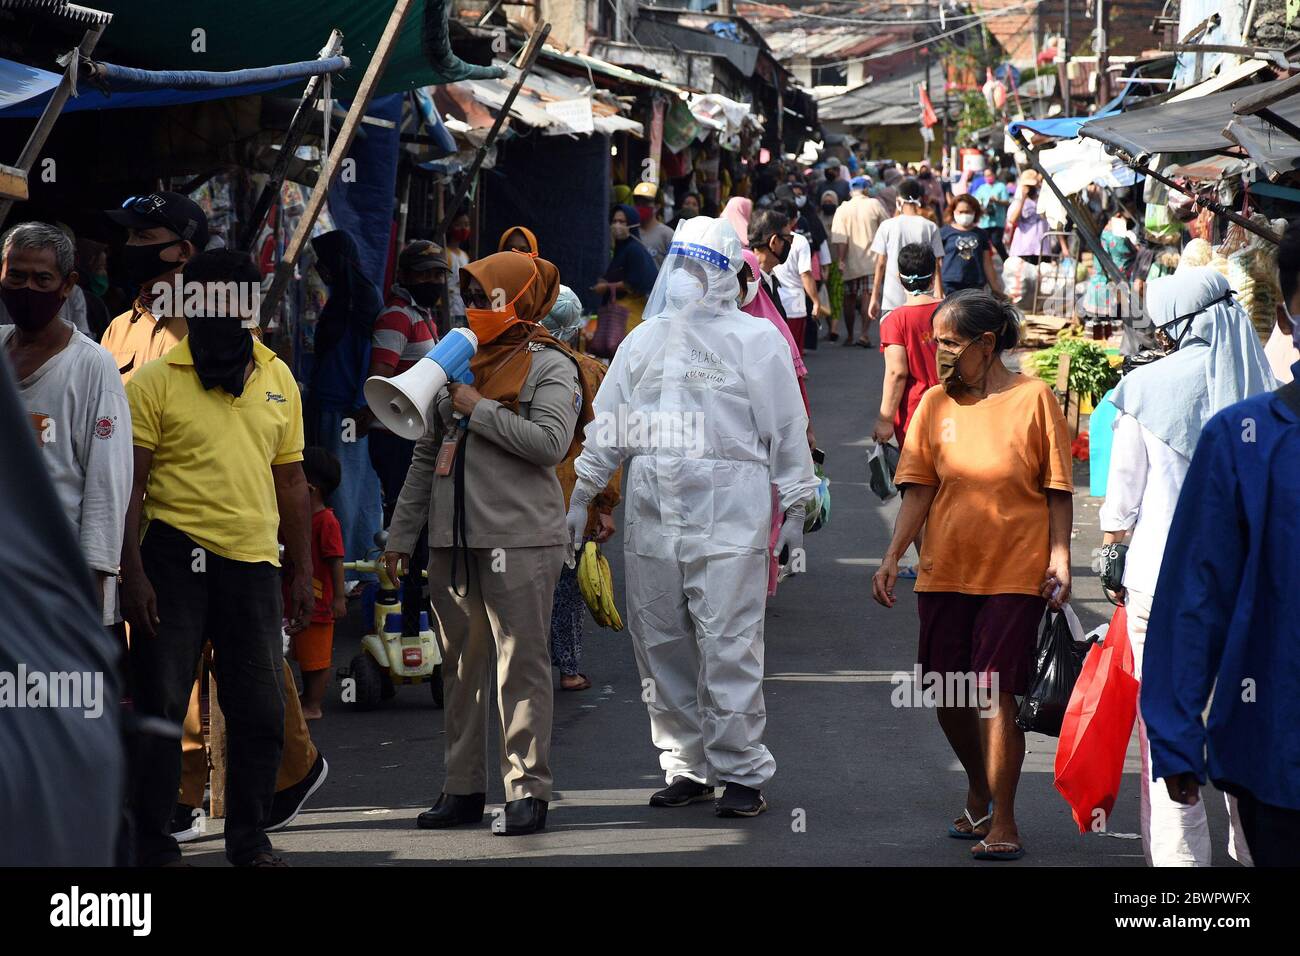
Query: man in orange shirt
point(164, 231)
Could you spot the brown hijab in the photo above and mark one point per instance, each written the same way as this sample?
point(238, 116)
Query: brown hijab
point(501, 367)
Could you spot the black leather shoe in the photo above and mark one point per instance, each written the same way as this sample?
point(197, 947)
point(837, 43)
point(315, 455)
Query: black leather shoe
point(453, 810)
point(523, 817)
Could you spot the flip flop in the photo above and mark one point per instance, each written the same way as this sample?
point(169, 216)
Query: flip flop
point(585, 685)
point(864, 344)
point(974, 825)
point(988, 853)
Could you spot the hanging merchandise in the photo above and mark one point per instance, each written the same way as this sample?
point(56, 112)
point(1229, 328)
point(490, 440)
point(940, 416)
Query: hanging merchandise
point(995, 92)
point(680, 127)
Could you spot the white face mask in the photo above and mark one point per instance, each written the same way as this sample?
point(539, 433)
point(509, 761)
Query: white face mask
point(800, 200)
point(683, 289)
point(964, 218)
point(751, 290)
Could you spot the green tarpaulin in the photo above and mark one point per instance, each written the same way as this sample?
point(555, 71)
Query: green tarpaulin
point(240, 34)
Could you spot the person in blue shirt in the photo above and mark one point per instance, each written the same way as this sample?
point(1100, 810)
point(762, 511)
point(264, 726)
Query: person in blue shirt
point(1226, 615)
point(994, 198)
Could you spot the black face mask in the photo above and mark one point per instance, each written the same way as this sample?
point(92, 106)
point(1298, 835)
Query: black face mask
point(786, 244)
point(30, 309)
point(221, 349)
point(143, 263)
point(828, 209)
point(426, 294)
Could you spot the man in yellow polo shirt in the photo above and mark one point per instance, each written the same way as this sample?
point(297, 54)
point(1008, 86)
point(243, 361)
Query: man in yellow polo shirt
point(218, 449)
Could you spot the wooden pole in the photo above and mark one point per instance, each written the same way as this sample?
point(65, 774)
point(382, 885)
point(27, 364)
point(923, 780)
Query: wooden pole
point(292, 138)
point(383, 52)
point(526, 61)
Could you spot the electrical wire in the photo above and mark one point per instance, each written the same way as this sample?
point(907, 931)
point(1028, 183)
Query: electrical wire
point(903, 21)
point(933, 37)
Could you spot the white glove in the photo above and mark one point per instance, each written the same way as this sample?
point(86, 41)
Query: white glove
point(791, 533)
point(576, 519)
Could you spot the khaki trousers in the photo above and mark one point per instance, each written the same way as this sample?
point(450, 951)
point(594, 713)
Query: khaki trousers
point(506, 608)
point(299, 752)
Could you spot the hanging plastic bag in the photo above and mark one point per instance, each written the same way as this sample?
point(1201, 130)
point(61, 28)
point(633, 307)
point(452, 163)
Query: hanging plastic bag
point(819, 505)
point(1058, 660)
point(1019, 279)
point(882, 461)
point(1097, 727)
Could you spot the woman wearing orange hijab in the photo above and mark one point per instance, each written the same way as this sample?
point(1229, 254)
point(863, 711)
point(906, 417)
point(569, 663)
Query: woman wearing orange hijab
point(484, 478)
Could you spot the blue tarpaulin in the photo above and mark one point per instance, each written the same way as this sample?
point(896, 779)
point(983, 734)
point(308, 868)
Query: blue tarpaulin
point(25, 90)
point(362, 202)
point(1067, 127)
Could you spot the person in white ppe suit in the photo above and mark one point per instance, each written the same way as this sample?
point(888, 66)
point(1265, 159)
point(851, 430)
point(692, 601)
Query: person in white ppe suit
point(702, 400)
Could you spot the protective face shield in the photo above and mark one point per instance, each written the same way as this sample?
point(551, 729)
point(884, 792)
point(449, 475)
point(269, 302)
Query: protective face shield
point(1170, 335)
point(699, 274)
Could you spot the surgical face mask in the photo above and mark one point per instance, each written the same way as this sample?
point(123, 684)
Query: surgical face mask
point(32, 309)
point(488, 324)
point(98, 285)
point(751, 291)
point(799, 201)
point(949, 367)
point(143, 263)
point(964, 218)
point(619, 231)
point(683, 290)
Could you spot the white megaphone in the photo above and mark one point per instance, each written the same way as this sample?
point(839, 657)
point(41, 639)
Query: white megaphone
point(402, 402)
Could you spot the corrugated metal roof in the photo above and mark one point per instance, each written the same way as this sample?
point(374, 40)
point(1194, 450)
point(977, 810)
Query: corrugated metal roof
point(893, 102)
point(546, 86)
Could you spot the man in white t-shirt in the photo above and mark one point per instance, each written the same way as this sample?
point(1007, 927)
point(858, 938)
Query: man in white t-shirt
point(906, 227)
point(71, 388)
point(795, 278)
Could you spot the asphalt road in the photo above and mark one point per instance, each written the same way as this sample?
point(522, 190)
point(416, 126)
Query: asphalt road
point(858, 781)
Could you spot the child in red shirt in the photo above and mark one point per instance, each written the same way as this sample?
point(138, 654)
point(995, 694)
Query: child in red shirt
point(313, 647)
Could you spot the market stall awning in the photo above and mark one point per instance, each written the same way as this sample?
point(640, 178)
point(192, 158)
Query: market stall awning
point(236, 34)
point(1067, 127)
point(1197, 126)
point(25, 90)
point(547, 101)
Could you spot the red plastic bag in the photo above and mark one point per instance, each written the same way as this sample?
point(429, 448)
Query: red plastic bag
point(1097, 728)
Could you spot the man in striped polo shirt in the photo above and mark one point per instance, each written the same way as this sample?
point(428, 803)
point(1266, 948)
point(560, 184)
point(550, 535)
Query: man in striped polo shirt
point(404, 333)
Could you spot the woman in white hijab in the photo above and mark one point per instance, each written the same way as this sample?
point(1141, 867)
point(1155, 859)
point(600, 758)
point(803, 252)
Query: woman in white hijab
point(1215, 361)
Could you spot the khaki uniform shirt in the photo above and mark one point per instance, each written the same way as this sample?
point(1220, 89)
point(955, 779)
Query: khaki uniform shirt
point(136, 337)
point(512, 495)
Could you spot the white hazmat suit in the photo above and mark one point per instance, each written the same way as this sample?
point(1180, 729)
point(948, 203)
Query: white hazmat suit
point(703, 400)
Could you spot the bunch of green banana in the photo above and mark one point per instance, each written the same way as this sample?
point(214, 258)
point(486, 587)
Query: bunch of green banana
point(597, 587)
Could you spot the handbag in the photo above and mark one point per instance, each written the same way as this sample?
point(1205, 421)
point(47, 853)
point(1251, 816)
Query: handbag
point(611, 326)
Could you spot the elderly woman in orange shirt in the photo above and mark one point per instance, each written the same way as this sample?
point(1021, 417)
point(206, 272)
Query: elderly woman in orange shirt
point(987, 465)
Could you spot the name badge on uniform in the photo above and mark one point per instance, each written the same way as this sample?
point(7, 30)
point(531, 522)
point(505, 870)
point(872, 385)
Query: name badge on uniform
point(447, 453)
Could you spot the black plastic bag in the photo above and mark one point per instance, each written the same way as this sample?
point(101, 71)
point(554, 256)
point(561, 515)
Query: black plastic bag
point(1058, 659)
